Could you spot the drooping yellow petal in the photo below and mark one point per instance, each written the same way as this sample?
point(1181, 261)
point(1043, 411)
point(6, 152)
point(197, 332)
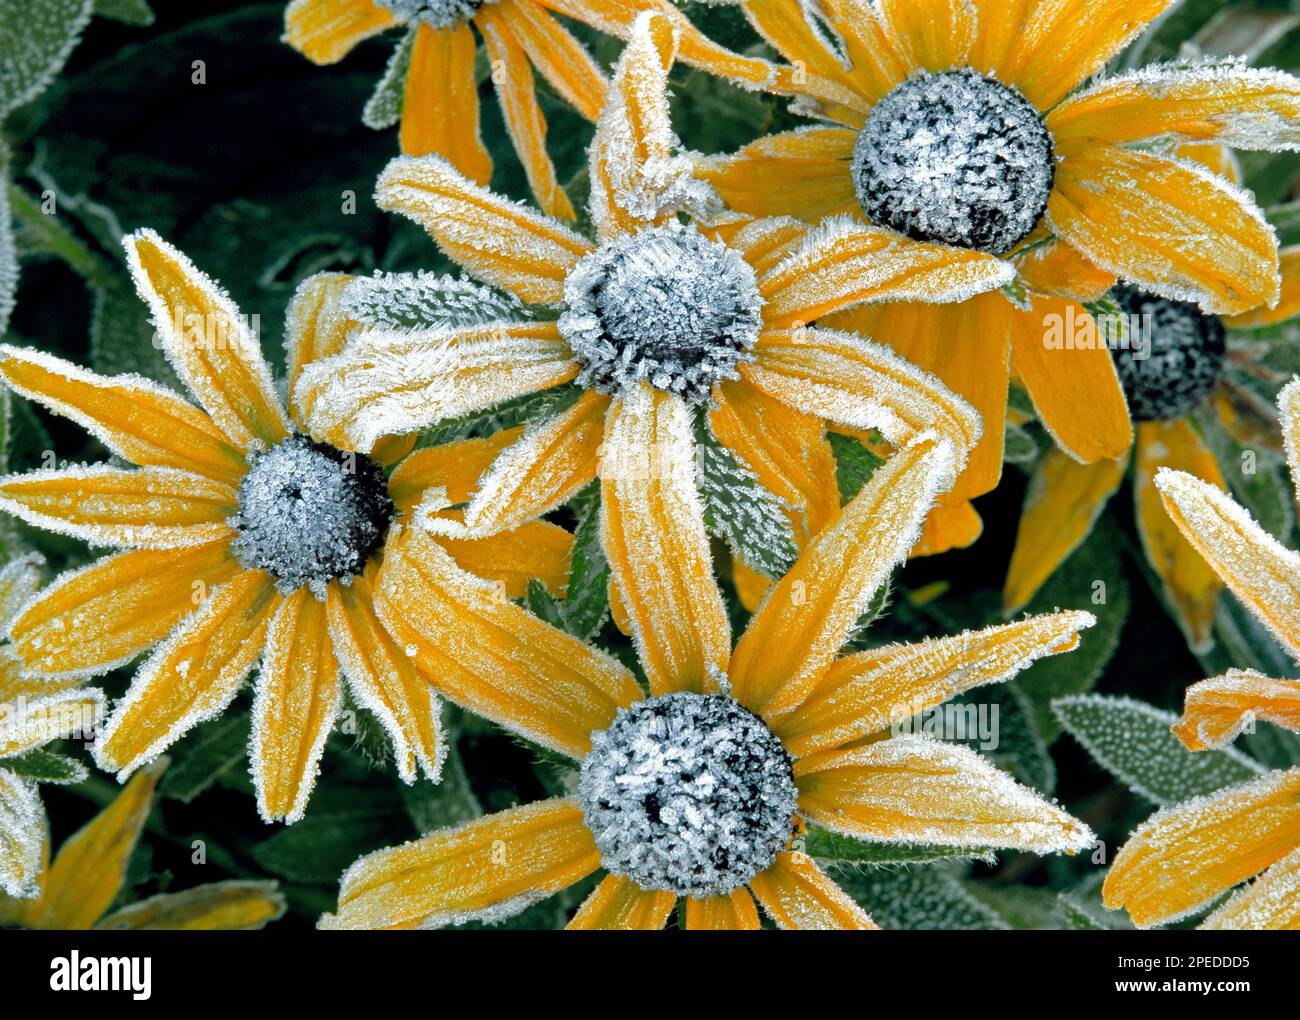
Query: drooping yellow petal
point(135, 418)
point(732, 912)
point(556, 53)
point(39, 717)
point(192, 676)
point(1181, 858)
point(936, 35)
point(91, 620)
point(916, 789)
point(1169, 227)
point(798, 895)
point(501, 242)
point(1218, 709)
point(1062, 503)
point(652, 527)
point(1270, 903)
point(1288, 302)
point(297, 703)
point(208, 341)
point(1257, 568)
point(23, 838)
point(946, 528)
point(1057, 269)
point(487, 870)
point(325, 31)
point(794, 637)
point(618, 905)
point(534, 550)
point(217, 906)
point(489, 655)
point(89, 868)
point(315, 324)
point(871, 691)
point(440, 101)
point(144, 508)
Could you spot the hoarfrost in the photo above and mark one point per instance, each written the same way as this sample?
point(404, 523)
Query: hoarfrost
point(424, 300)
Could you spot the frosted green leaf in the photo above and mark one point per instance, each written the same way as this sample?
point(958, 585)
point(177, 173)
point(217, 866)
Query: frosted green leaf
point(1020, 749)
point(832, 846)
point(36, 40)
point(507, 414)
point(854, 464)
point(424, 301)
point(384, 108)
point(1132, 740)
point(8, 251)
point(1019, 447)
point(1077, 916)
point(131, 12)
point(545, 606)
point(46, 767)
point(925, 898)
point(122, 340)
point(587, 597)
point(207, 753)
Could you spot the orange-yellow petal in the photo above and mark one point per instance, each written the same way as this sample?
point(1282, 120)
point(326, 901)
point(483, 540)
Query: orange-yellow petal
point(315, 325)
point(798, 895)
point(454, 467)
point(534, 550)
point(556, 53)
point(935, 35)
point(1288, 303)
point(1270, 903)
point(325, 31)
point(1060, 270)
point(440, 102)
point(618, 905)
point(23, 844)
point(217, 906)
point(38, 716)
point(732, 912)
point(956, 526)
point(1218, 709)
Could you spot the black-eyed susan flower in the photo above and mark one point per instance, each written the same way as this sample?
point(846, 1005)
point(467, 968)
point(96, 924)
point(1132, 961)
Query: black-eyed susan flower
point(243, 539)
point(697, 791)
point(677, 307)
point(88, 873)
point(33, 712)
point(439, 110)
point(954, 122)
point(1184, 858)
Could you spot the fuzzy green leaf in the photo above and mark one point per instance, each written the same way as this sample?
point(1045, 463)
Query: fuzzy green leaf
point(36, 40)
point(586, 601)
point(384, 108)
point(854, 464)
point(200, 760)
point(832, 846)
point(46, 767)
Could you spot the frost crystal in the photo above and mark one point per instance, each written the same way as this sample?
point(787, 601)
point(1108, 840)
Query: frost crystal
point(310, 513)
point(1185, 351)
point(666, 305)
point(956, 158)
point(423, 300)
point(688, 792)
point(434, 13)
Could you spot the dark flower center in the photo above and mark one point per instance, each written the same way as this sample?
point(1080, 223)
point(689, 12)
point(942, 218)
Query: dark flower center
point(435, 13)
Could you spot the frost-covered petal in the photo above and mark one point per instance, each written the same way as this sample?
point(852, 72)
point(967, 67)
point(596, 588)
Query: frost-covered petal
point(101, 616)
point(207, 341)
point(1288, 302)
point(798, 895)
point(20, 579)
point(734, 912)
point(491, 656)
point(1288, 405)
point(1183, 857)
point(37, 718)
point(553, 50)
point(1270, 903)
point(652, 528)
point(916, 789)
point(1062, 503)
point(932, 34)
point(440, 102)
point(390, 383)
point(297, 702)
point(763, 242)
point(870, 691)
point(503, 243)
point(488, 870)
point(618, 905)
point(316, 324)
point(854, 382)
point(793, 638)
point(1221, 101)
point(1052, 267)
point(217, 906)
point(1173, 228)
point(1218, 709)
point(1257, 568)
point(22, 836)
point(325, 31)
point(150, 508)
point(454, 467)
point(947, 527)
point(786, 27)
point(192, 676)
point(533, 550)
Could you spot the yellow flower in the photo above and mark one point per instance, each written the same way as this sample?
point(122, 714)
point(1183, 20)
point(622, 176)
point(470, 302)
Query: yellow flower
point(88, 872)
point(699, 789)
point(440, 114)
point(948, 120)
point(1185, 857)
point(242, 538)
point(659, 318)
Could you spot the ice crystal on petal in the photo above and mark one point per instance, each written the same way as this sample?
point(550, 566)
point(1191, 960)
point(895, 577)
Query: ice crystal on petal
point(957, 158)
point(434, 13)
point(688, 792)
point(22, 836)
point(1271, 902)
point(424, 300)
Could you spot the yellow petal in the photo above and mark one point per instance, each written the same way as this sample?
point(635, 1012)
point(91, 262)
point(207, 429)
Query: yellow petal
point(1182, 858)
point(1270, 903)
point(1062, 504)
point(652, 527)
point(325, 31)
point(1217, 710)
point(916, 789)
point(551, 48)
point(947, 528)
point(135, 418)
point(751, 586)
point(501, 242)
point(871, 691)
point(297, 703)
point(454, 467)
point(440, 102)
point(794, 637)
point(1288, 303)
point(492, 657)
point(22, 841)
point(208, 342)
point(733, 912)
point(487, 870)
point(935, 35)
point(89, 869)
point(1168, 227)
point(798, 895)
point(217, 906)
point(37, 718)
point(1057, 269)
point(1288, 405)
point(535, 550)
point(315, 324)
point(618, 905)
point(91, 620)
point(787, 29)
point(192, 676)
point(149, 508)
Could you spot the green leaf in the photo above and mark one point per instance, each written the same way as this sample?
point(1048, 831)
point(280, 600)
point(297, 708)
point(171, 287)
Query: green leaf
point(449, 802)
point(416, 301)
point(1024, 908)
point(1018, 747)
point(1077, 916)
point(46, 767)
point(384, 108)
point(1131, 740)
point(916, 899)
point(36, 40)
point(131, 12)
point(738, 510)
point(1019, 447)
point(8, 250)
point(832, 846)
point(200, 760)
point(122, 339)
point(854, 464)
point(1286, 221)
point(587, 599)
point(507, 414)
point(544, 605)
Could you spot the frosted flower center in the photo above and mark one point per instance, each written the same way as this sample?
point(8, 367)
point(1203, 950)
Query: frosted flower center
point(690, 793)
point(667, 305)
point(310, 513)
point(956, 158)
point(1185, 351)
point(435, 13)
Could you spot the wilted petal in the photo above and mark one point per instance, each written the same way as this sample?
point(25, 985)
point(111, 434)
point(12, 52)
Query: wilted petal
point(1218, 709)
